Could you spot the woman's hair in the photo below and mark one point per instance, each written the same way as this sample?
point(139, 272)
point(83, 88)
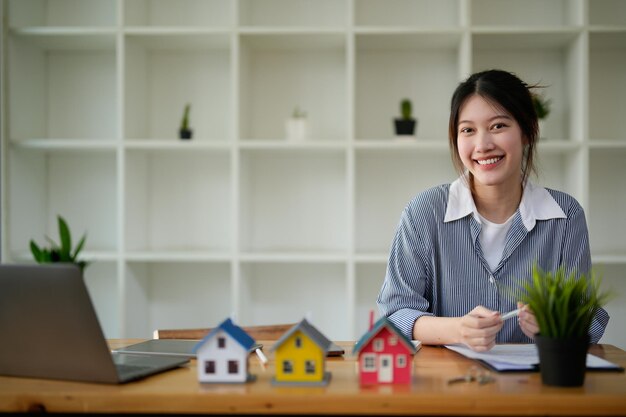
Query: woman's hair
point(506, 91)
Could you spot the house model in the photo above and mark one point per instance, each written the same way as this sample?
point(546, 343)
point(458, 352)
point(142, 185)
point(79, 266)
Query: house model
point(222, 356)
point(385, 355)
point(300, 356)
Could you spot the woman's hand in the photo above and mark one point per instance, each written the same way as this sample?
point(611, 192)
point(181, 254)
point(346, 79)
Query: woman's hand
point(527, 320)
point(478, 328)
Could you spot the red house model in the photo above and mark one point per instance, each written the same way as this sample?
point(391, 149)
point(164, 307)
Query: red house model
point(385, 355)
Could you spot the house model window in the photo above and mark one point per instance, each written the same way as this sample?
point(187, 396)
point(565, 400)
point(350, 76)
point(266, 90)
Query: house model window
point(401, 361)
point(379, 345)
point(298, 342)
point(369, 362)
point(309, 367)
point(288, 367)
point(393, 341)
point(233, 367)
point(221, 342)
point(209, 367)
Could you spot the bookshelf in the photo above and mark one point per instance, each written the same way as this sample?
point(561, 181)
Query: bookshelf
point(240, 221)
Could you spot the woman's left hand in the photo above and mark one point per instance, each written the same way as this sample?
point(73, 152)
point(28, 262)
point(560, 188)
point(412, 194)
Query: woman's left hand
point(527, 321)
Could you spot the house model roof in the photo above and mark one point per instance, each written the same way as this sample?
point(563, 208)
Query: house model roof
point(376, 328)
point(233, 330)
point(311, 331)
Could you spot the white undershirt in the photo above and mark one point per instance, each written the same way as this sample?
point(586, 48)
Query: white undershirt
point(492, 240)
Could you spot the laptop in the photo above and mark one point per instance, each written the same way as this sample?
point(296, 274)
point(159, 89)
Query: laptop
point(50, 330)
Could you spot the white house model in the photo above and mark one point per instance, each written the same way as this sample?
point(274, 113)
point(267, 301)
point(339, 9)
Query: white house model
point(222, 356)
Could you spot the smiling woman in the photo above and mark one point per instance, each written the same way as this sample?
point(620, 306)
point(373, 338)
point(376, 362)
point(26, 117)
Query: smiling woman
point(458, 246)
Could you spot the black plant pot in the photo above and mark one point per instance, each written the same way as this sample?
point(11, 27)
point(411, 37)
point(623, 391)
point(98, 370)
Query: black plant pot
point(405, 127)
point(185, 133)
point(562, 362)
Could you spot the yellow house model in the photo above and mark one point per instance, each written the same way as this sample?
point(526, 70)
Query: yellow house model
point(300, 356)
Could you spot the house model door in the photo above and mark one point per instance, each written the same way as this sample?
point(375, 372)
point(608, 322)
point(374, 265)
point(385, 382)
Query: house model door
point(385, 369)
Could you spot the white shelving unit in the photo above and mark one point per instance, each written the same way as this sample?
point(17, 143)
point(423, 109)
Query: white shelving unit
point(240, 221)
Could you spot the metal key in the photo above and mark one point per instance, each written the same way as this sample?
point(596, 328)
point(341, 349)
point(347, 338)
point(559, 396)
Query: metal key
point(468, 377)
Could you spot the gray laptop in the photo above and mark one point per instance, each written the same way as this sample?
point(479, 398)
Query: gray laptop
point(50, 330)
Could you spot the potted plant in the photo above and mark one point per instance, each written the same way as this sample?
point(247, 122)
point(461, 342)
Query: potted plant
point(405, 125)
point(297, 126)
point(62, 252)
point(185, 132)
point(542, 108)
point(564, 306)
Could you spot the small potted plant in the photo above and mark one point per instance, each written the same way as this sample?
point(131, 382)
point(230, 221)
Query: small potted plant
point(542, 108)
point(62, 252)
point(564, 306)
point(185, 132)
point(405, 125)
point(297, 126)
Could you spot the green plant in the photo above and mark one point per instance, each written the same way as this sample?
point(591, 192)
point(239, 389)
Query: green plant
point(184, 124)
point(406, 109)
point(541, 105)
point(59, 253)
point(298, 114)
point(564, 305)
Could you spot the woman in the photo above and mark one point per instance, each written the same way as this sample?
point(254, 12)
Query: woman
point(459, 246)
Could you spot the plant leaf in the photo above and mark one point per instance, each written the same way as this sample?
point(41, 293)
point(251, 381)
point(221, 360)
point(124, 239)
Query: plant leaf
point(66, 240)
point(80, 245)
point(36, 251)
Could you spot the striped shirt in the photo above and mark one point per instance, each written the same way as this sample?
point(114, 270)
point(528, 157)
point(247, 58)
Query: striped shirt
point(436, 266)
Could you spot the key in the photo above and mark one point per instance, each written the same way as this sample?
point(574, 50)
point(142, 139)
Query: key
point(468, 377)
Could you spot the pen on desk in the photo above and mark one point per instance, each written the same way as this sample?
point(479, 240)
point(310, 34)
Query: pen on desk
point(510, 314)
point(261, 356)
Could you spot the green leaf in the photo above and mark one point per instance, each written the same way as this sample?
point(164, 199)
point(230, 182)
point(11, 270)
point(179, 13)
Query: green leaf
point(36, 251)
point(66, 240)
point(81, 243)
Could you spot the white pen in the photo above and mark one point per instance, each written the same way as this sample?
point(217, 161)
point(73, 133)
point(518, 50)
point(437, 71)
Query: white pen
point(261, 356)
point(510, 314)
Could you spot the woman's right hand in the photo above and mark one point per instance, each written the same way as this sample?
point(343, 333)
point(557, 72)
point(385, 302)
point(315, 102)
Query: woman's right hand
point(478, 328)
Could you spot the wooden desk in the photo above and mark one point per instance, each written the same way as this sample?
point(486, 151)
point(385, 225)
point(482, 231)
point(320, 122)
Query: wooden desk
point(179, 392)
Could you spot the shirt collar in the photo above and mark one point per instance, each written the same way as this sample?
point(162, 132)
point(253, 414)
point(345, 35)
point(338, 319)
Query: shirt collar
point(536, 204)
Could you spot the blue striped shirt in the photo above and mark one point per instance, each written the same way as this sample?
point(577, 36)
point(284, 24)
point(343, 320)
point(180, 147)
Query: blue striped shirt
point(436, 267)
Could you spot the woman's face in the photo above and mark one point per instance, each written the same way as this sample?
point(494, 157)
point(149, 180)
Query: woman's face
point(490, 143)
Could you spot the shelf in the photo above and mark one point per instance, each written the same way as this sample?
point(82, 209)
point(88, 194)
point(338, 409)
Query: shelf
point(369, 280)
point(293, 13)
point(156, 256)
point(424, 69)
point(407, 13)
point(611, 13)
point(178, 201)
point(46, 70)
point(311, 73)
point(291, 257)
point(607, 85)
point(50, 145)
point(377, 204)
point(179, 13)
point(240, 221)
point(607, 191)
point(287, 293)
point(169, 295)
point(309, 215)
point(79, 186)
point(526, 14)
point(62, 13)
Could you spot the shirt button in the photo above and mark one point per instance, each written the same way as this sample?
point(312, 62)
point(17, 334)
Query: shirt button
point(492, 279)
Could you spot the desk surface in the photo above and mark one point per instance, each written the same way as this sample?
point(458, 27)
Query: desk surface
point(178, 391)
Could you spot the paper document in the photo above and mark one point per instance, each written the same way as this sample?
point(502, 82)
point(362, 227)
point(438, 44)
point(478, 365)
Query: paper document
point(519, 357)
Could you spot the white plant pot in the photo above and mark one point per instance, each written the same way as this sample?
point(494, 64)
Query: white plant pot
point(297, 129)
